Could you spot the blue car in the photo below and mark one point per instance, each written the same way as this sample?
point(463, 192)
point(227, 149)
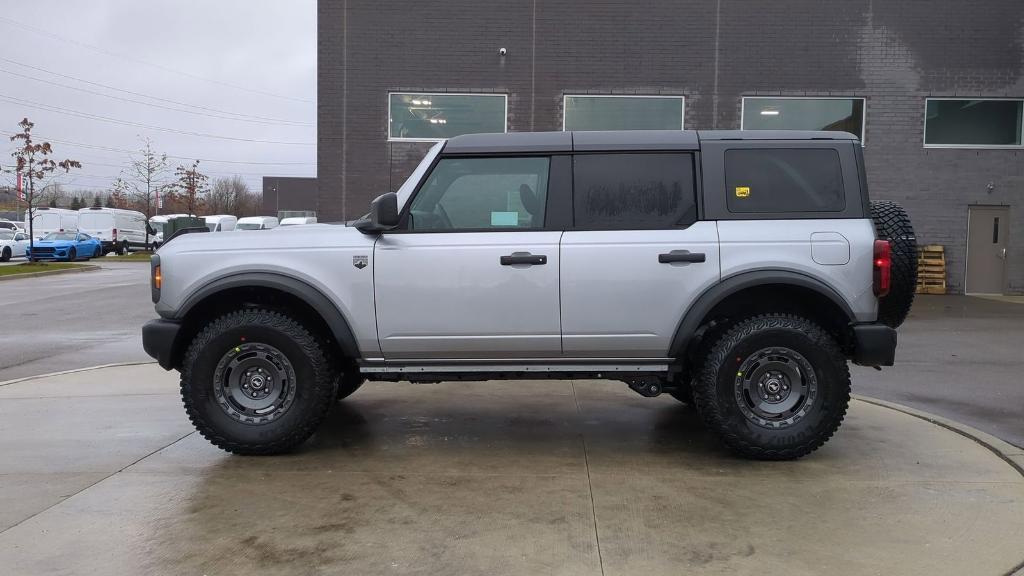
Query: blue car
point(66, 246)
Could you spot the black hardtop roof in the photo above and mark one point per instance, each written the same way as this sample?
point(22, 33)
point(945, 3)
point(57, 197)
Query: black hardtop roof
point(617, 140)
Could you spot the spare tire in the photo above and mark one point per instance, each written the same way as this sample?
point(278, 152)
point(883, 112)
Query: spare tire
point(893, 224)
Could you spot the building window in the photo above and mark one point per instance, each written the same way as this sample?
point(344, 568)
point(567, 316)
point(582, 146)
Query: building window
point(633, 191)
point(966, 123)
point(832, 114)
point(623, 113)
point(776, 180)
point(423, 116)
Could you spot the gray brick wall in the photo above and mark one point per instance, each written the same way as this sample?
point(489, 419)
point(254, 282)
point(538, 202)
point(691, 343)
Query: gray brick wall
point(893, 53)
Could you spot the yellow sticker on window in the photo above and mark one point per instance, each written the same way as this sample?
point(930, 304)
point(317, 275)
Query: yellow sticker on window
point(742, 191)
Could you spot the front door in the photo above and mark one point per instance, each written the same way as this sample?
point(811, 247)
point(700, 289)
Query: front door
point(472, 273)
point(986, 249)
point(637, 256)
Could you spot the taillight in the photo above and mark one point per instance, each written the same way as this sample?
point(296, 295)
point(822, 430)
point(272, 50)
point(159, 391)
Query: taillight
point(882, 267)
point(114, 234)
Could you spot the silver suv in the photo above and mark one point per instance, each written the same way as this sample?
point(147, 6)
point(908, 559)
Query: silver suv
point(737, 271)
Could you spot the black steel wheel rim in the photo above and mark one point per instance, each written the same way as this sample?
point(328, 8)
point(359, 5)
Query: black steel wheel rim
point(254, 383)
point(775, 387)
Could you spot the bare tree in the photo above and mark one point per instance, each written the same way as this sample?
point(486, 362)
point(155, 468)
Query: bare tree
point(33, 161)
point(119, 191)
point(51, 195)
point(148, 171)
point(193, 186)
point(228, 196)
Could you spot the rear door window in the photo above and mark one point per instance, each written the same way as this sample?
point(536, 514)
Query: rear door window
point(633, 191)
point(779, 180)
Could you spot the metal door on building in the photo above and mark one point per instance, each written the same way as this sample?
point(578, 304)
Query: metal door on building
point(987, 230)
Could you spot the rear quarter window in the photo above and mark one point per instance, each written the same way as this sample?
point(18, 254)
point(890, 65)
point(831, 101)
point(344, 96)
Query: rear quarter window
point(780, 180)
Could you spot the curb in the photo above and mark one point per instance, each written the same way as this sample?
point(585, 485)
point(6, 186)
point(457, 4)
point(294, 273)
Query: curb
point(80, 268)
point(1009, 453)
point(63, 372)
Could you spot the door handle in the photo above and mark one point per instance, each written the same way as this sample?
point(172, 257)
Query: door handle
point(681, 256)
point(523, 258)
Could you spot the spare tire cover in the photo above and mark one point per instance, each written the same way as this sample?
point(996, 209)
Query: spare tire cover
point(893, 224)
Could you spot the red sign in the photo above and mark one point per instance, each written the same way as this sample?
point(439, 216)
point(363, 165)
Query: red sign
point(21, 193)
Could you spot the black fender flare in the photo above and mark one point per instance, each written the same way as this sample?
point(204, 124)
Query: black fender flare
point(710, 298)
point(301, 289)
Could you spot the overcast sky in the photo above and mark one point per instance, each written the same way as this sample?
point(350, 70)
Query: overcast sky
point(234, 78)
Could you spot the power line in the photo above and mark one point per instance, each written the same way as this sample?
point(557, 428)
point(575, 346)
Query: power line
point(126, 151)
point(98, 118)
point(205, 114)
point(48, 34)
point(140, 94)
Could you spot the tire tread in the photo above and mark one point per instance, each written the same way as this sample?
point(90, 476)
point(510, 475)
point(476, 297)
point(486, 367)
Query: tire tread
point(707, 400)
point(321, 389)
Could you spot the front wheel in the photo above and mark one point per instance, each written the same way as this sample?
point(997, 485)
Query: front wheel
point(5, 255)
point(72, 255)
point(774, 387)
point(256, 382)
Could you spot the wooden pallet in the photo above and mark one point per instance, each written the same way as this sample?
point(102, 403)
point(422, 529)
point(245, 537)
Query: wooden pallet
point(931, 270)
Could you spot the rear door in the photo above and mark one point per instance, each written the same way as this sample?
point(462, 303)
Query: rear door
point(637, 256)
point(473, 271)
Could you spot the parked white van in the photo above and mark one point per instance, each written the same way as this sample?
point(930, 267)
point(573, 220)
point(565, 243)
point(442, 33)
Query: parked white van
point(117, 230)
point(157, 223)
point(220, 222)
point(46, 220)
point(256, 223)
point(298, 221)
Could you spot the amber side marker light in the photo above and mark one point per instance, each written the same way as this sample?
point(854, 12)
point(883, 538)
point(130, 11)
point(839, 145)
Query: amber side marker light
point(157, 277)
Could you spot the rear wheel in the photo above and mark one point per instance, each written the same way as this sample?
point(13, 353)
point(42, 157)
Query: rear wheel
point(98, 252)
point(774, 387)
point(256, 382)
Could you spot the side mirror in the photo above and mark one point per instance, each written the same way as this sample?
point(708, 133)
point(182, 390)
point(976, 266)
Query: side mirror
point(383, 215)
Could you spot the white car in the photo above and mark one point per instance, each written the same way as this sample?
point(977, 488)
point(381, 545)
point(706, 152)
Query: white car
point(220, 222)
point(13, 244)
point(298, 221)
point(256, 223)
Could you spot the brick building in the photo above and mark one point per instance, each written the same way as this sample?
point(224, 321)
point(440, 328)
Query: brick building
point(395, 75)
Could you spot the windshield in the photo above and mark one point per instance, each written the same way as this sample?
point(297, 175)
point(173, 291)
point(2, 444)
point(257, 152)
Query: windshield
point(59, 236)
point(248, 226)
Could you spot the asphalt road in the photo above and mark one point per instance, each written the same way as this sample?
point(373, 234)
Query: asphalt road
point(66, 321)
point(960, 357)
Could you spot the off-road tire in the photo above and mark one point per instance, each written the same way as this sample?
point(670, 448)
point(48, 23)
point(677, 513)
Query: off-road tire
point(718, 404)
point(314, 382)
point(5, 255)
point(349, 380)
point(893, 224)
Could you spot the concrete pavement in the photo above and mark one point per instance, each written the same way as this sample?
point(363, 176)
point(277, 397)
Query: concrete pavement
point(100, 473)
